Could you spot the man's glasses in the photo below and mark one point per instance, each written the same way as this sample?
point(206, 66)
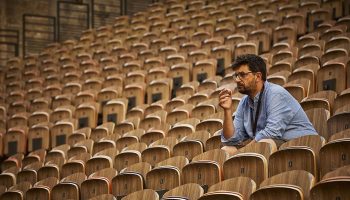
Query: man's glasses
point(240, 75)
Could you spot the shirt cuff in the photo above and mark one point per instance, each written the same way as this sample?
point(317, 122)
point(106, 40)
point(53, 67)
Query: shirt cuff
point(259, 137)
point(231, 141)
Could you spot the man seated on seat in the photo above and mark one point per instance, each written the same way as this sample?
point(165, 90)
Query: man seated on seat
point(268, 113)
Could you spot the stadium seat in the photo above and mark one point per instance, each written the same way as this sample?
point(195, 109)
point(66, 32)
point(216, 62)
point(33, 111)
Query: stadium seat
point(205, 169)
point(159, 150)
point(183, 128)
point(191, 145)
point(135, 94)
point(318, 117)
point(330, 188)
point(204, 109)
point(286, 33)
point(130, 179)
point(75, 164)
point(221, 195)
point(41, 189)
point(211, 124)
point(234, 39)
point(129, 138)
point(84, 146)
point(270, 22)
point(143, 195)
point(102, 131)
point(7, 178)
point(79, 135)
point(321, 99)
point(129, 155)
point(331, 76)
point(69, 187)
point(29, 173)
point(250, 161)
point(297, 154)
point(101, 160)
point(15, 141)
point(106, 94)
point(178, 114)
point(39, 117)
point(18, 120)
point(60, 132)
point(185, 191)
point(264, 37)
point(279, 191)
point(137, 112)
point(299, 89)
point(152, 135)
point(57, 155)
point(341, 100)
point(39, 137)
point(338, 122)
point(339, 172)
point(336, 153)
point(34, 156)
point(245, 27)
point(159, 89)
point(188, 88)
point(242, 185)
point(48, 170)
point(211, 83)
point(304, 73)
point(98, 183)
point(154, 120)
point(317, 16)
point(134, 75)
point(17, 191)
point(87, 115)
point(166, 175)
point(249, 47)
point(176, 102)
point(342, 134)
point(62, 112)
point(298, 19)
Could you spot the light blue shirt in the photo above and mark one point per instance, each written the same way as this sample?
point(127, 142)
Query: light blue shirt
point(281, 117)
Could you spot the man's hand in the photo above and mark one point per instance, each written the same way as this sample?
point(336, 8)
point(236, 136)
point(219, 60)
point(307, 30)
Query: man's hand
point(225, 99)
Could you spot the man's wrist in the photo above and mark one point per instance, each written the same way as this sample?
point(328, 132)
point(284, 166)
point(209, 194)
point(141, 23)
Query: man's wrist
point(228, 111)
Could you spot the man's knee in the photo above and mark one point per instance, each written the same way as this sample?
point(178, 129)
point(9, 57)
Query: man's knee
point(229, 149)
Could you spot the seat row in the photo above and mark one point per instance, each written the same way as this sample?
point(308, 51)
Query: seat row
point(258, 162)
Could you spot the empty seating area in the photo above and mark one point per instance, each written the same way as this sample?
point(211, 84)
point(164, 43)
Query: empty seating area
point(130, 110)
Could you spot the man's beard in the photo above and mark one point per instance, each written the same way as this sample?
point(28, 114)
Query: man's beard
point(247, 88)
point(243, 89)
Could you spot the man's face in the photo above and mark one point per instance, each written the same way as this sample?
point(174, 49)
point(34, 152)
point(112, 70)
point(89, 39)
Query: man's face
point(245, 79)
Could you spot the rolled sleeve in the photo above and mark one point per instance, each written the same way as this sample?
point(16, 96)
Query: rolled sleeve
point(279, 115)
point(237, 138)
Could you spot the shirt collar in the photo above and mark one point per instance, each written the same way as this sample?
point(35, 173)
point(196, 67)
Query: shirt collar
point(252, 102)
point(256, 98)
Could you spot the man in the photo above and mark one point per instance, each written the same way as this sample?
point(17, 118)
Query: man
point(268, 113)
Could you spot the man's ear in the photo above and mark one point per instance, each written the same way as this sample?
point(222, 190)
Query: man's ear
point(258, 75)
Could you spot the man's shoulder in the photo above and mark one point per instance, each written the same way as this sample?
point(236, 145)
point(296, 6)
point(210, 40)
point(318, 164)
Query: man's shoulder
point(279, 93)
point(275, 89)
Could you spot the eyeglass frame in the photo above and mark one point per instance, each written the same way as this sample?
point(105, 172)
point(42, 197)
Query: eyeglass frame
point(241, 75)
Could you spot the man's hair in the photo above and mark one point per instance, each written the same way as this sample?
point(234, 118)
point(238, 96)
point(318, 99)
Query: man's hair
point(254, 62)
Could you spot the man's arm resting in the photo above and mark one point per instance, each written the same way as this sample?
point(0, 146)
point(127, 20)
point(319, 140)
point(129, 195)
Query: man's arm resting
point(228, 129)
